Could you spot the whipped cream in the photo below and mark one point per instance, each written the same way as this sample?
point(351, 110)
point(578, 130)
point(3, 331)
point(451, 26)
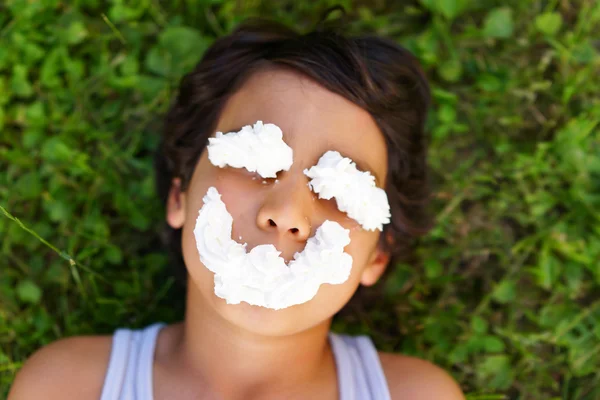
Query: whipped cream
point(259, 149)
point(261, 277)
point(355, 191)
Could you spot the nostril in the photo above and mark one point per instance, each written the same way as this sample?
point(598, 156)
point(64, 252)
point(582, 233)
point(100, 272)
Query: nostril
point(272, 223)
point(294, 230)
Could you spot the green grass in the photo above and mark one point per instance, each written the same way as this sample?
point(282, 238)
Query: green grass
point(504, 291)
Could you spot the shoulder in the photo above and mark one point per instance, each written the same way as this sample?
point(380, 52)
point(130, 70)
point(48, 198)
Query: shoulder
point(65, 369)
point(417, 379)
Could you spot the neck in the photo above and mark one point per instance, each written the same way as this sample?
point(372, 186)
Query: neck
point(238, 363)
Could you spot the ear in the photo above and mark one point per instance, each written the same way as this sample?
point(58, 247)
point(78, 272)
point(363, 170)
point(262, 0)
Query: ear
point(175, 205)
point(376, 265)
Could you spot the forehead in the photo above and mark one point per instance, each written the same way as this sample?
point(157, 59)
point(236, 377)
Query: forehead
point(313, 119)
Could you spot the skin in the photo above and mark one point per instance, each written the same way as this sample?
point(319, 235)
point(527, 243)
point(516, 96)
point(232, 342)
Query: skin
point(261, 353)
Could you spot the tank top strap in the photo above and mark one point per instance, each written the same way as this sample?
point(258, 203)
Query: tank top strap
point(146, 361)
point(129, 373)
point(359, 370)
point(373, 369)
point(117, 365)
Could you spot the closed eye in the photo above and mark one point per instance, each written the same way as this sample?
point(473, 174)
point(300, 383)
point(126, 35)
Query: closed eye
point(255, 176)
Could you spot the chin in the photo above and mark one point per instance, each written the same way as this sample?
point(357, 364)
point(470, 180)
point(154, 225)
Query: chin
point(265, 321)
point(254, 319)
point(288, 321)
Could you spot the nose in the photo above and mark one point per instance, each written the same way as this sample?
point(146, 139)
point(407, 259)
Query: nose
point(286, 209)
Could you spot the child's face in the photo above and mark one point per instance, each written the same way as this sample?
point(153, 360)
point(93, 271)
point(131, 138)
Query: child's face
point(313, 120)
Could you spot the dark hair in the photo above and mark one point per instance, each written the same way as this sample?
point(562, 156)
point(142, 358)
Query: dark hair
point(373, 72)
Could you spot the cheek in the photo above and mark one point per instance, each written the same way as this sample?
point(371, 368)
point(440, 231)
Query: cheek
point(234, 194)
point(362, 244)
point(233, 187)
point(240, 201)
point(199, 275)
point(332, 298)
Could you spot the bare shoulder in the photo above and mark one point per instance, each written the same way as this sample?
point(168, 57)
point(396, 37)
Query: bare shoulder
point(417, 379)
point(70, 368)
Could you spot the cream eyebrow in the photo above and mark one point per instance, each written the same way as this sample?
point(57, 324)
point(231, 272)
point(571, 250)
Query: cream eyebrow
point(258, 148)
point(362, 166)
point(355, 190)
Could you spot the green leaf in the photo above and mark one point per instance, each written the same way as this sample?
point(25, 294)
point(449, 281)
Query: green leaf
point(76, 32)
point(130, 65)
point(448, 8)
point(113, 254)
point(4, 92)
point(492, 344)
point(583, 52)
point(29, 292)
point(57, 273)
point(489, 83)
point(548, 269)
point(459, 353)
point(427, 47)
point(479, 325)
point(32, 137)
point(151, 87)
point(402, 274)
point(178, 50)
point(505, 291)
point(19, 82)
point(447, 113)
point(497, 371)
point(574, 276)
point(58, 210)
point(451, 70)
point(51, 67)
point(32, 52)
point(36, 115)
point(552, 315)
point(548, 23)
point(55, 149)
point(433, 268)
point(29, 186)
point(498, 23)
point(6, 56)
point(75, 69)
point(120, 12)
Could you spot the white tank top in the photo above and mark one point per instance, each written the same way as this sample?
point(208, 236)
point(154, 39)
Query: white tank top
point(129, 374)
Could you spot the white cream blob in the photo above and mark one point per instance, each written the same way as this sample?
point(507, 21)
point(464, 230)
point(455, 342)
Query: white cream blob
point(261, 277)
point(355, 191)
point(259, 149)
